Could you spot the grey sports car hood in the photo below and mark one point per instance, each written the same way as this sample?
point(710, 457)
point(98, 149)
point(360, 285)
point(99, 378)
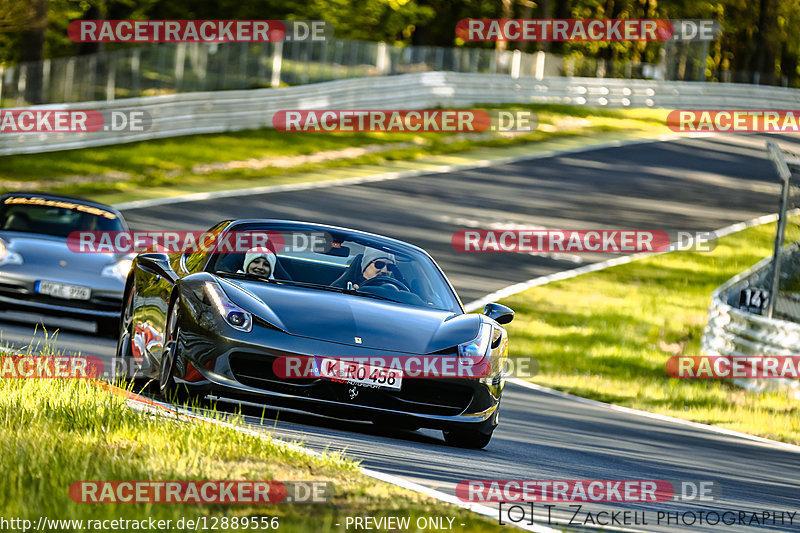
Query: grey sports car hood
point(47, 252)
point(338, 317)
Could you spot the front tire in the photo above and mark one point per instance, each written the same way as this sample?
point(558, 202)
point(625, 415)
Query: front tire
point(171, 390)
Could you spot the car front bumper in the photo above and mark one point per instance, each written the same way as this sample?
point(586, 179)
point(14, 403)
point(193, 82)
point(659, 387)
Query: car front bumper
point(17, 292)
point(217, 360)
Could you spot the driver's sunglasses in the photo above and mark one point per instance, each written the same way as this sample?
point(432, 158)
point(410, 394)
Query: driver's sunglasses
point(380, 265)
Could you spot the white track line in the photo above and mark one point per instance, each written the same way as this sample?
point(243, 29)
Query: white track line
point(663, 418)
point(513, 289)
point(567, 274)
point(271, 189)
point(519, 287)
point(145, 404)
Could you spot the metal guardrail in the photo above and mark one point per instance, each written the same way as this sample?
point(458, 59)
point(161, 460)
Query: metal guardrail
point(218, 111)
point(735, 332)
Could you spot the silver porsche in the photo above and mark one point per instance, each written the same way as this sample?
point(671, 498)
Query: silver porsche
point(40, 273)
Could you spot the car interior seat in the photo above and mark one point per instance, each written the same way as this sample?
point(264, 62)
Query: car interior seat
point(350, 273)
point(18, 222)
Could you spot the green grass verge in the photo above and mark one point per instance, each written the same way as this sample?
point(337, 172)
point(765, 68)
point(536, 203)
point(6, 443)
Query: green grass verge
point(56, 432)
point(607, 336)
point(162, 167)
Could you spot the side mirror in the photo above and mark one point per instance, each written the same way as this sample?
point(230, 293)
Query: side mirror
point(157, 264)
point(500, 313)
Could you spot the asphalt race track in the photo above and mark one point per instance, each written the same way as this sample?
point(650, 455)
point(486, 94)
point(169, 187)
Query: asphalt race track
point(687, 185)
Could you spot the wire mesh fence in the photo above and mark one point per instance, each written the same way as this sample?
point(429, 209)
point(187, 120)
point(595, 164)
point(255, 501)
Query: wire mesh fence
point(188, 67)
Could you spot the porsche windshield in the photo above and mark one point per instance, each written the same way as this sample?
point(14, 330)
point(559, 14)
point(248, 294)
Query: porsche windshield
point(342, 262)
point(55, 217)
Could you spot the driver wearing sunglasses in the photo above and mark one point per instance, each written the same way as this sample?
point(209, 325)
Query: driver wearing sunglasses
point(375, 263)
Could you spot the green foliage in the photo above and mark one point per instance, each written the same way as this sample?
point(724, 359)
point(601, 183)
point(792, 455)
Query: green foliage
point(756, 35)
point(607, 335)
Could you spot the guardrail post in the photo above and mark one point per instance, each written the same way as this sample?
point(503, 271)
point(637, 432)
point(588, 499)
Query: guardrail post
point(111, 79)
point(243, 52)
point(516, 58)
point(538, 69)
point(135, 55)
point(180, 58)
point(68, 77)
point(277, 60)
point(44, 93)
point(22, 81)
point(382, 62)
point(92, 77)
point(601, 68)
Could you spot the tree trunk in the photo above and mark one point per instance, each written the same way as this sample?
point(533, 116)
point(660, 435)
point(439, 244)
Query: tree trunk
point(31, 49)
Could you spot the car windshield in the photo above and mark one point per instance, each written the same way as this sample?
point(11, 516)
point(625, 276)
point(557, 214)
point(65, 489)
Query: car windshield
point(55, 216)
point(340, 261)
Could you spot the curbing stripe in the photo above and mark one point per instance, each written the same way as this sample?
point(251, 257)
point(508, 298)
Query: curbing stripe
point(664, 418)
point(272, 189)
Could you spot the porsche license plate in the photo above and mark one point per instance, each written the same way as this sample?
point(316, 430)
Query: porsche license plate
point(63, 290)
point(358, 373)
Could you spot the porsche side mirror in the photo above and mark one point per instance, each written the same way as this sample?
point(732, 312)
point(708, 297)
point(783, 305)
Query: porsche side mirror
point(500, 313)
point(157, 264)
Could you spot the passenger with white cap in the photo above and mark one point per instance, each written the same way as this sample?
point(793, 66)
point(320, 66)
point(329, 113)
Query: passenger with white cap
point(261, 262)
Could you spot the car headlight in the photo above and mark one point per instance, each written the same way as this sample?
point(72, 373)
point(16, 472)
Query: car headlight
point(472, 352)
point(7, 257)
point(235, 316)
point(118, 270)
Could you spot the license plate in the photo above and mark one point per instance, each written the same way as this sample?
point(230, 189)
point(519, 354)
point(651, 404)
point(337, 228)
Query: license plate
point(358, 373)
point(62, 290)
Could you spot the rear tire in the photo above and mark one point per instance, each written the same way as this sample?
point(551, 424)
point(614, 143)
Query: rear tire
point(467, 438)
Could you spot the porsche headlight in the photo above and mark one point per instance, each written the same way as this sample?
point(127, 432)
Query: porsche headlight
point(118, 270)
point(235, 316)
point(7, 257)
point(472, 352)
